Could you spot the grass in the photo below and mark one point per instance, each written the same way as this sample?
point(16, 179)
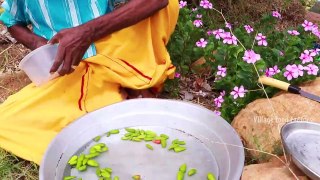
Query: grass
point(14, 168)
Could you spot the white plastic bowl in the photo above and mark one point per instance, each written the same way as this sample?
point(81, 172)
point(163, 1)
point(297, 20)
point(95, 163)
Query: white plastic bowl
point(38, 63)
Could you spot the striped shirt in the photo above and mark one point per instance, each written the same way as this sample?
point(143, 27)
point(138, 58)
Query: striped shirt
point(48, 17)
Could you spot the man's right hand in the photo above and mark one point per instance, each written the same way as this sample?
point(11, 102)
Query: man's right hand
point(24, 36)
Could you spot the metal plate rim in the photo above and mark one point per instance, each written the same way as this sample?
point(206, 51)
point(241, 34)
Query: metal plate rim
point(284, 134)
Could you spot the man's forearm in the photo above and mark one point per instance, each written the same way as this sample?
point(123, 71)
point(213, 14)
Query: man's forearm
point(24, 36)
point(130, 14)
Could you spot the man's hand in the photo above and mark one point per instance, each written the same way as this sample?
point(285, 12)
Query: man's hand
point(73, 44)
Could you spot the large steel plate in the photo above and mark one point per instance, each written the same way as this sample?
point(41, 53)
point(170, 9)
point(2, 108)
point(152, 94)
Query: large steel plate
point(212, 144)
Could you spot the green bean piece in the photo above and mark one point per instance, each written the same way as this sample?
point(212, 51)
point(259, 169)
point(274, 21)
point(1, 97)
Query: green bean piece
point(136, 139)
point(101, 178)
point(93, 163)
point(79, 162)
point(108, 134)
point(69, 177)
point(127, 134)
point(157, 138)
point(92, 150)
point(104, 149)
point(173, 146)
point(183, 168)
point(180, 175)
point(151, 135)
point(80, 179)
point(109, 170)
point(96, 139)
point(179, 149)
point(149, 146)
point(105, 174)
point(211, 176)
point(125, 138)
point(82, 168)
point(98, 172)
point(136, 177)
point(116, 178)
point(142, 132)
point(92, 155)
point(192, 172)
point(114, 131)
point(130, 130)
point(73, 158)
point(85, 160)
point(148, 138)
point(164, 136)
point(175, 141)
point(181, 143)
point(141, 136)
point(163, 143)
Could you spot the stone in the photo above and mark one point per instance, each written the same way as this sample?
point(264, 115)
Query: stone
point(259, 124)
point(272, 170)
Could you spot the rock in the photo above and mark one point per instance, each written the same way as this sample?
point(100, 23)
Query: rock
point(260, 122)
point(272, 170)
point(11, 83)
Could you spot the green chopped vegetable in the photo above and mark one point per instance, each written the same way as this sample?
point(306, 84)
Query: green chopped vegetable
point(149, 146)
point(96, 139)
point(211, 176)
point(192, 172)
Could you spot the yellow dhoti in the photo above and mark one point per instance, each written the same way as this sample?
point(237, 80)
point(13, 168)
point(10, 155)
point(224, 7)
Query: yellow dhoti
point(135, 57)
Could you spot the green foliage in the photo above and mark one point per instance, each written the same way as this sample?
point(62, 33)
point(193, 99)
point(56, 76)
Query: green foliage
point(282, 50)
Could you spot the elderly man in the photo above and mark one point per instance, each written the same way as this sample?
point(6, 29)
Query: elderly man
point(102, 49)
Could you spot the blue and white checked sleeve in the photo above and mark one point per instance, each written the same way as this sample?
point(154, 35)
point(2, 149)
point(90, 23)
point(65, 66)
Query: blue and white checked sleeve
point(14, 13)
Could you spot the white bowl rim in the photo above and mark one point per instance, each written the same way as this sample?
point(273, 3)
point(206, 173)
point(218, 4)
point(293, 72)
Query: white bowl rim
point(28, 56)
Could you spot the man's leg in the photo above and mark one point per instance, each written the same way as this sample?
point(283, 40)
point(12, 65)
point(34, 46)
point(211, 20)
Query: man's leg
point(31, 118)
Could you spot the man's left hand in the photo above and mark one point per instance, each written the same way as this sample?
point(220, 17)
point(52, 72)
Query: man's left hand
point(73, 44)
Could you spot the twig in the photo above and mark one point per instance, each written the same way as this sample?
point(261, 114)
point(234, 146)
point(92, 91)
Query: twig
point(6, 49)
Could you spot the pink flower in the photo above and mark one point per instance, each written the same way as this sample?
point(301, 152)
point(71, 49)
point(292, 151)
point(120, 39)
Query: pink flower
point(293, 32)
point(194, 9)
point(199, 16)
point(206, 4)
point(306, 56)
point(314, 52)
point(272, 71)
point(182, 4)
point(238, 92)
point(312, 69)
point(248, 28)
point(262, 40)
point(218, 101)
point(293, 71)
point(202, 43)
point(209, 32)
point(218, 33)
point(228, 25)
point(251, 57)
point(223, 93)
point(177, 75)
point(276, 14)
point(281, 53)
point(228, 38)
point(222, 71)
point(197, 23)
point(217, 112)
point(308, 26)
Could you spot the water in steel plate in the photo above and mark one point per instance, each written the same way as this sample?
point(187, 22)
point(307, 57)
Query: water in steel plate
point(128, 158)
